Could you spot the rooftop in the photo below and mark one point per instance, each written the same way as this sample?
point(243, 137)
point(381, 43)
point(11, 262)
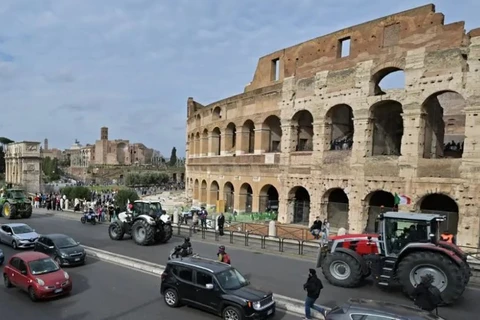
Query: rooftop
point(30, 256)
point(412, 215)
point(202, 263)
point(397, 311)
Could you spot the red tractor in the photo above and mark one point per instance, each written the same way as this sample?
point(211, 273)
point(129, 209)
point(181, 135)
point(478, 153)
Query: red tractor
point(406, 248)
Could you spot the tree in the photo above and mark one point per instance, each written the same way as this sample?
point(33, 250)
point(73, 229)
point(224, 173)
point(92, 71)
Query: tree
point(123, 196)
point(134, 179)
point(173, 157)
point(3, 141)
point(51, 169)
point(78, 192)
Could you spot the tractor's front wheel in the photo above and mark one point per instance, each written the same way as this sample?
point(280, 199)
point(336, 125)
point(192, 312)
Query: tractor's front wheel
point(115, 231)
point(8, 211)
point(447, 275)
point(143, 233)
point(342, 270)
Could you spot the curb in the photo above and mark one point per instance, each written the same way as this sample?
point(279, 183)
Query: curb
point(282, 302)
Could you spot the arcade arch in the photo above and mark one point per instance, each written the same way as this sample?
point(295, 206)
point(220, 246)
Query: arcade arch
point(387, 128)
point(246, 197)
point(268, 199)
point(248, 137)
point(442, 204)
point(230, 138)
point(444, 125)
point(214, 192)
point(299, 199)
point(378, 202)
point(197, 144)
point(216, 141)
point(204, 143)
point(339, 127)
point(303, 122)
point(203, 192)
point(387, 79)
point(337, 208)
point(216, 113)
point(196, 190)
point(274, 133)
point(228, 196)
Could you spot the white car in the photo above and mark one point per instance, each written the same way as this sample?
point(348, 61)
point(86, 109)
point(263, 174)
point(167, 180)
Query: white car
point(18, 235)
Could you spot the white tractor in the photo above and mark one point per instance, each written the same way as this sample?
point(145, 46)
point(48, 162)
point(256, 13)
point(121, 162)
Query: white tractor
point(147, 224)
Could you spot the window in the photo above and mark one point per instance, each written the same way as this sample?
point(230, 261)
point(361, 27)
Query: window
point(6, 229)
point(344, 47)
point(15, 262)
point(204, 278)
point(275, 69)
point(185, 274)
point(22, 267)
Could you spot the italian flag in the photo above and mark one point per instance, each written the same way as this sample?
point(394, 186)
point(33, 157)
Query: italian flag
point(401, 200)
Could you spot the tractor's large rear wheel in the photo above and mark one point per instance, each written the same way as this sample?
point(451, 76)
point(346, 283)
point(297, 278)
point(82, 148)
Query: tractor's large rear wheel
point(342, 270)
point(448, 277)
point(143, 233)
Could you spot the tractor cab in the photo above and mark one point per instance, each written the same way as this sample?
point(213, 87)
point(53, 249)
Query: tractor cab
point(398, 229)
point(149, 208)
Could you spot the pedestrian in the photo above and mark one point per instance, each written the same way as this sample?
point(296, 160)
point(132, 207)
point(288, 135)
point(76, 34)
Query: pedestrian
point(203, 218)
point(448, 237)
point(221, 223)
point(223, 255)
point(426, 296)
point(316, 228)
point(313, 286)
point(195, 222)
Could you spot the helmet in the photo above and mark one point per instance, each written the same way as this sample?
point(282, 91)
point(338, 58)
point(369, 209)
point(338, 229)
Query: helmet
point(221, 248)
point(187, 239)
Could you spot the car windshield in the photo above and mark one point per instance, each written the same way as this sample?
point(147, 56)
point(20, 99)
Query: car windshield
point(22, 229)
point(231, 279)
point(43, 266)
point(17, 194)
point(65, 242)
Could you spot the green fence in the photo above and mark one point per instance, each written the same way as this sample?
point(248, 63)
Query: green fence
point(251, 217)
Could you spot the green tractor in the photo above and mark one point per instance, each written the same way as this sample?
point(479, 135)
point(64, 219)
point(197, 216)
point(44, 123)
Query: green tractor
point(15, 204)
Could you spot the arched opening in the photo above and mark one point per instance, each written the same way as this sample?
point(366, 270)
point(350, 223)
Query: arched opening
point(442, 204)
point(337, 208)
point(196, 190)
point(191, 145)
point(216, 142)
point(269, 199)
point(299, 199)
point(303, 121)
point(228, 194)
point(122, 150)
point(248, 136)
point(197, 144)
point(204, 143)
point(246, 196)
point(198, 121)
point(388, 79)
point(203, 192)
point(174, 177)
point(444, 125)
point(339, 127)
point(378, 202)
point(217, 113)
point(182, 177)
point(274, 128)
point(214, 192)
point(230, 138)
point(387, 128)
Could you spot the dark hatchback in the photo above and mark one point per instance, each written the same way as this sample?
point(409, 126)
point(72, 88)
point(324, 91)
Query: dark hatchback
point(215, 287)
point(62, 248)
point(364, 309)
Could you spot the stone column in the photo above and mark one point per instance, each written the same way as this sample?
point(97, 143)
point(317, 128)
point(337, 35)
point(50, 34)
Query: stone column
point(255, 202)
point(197, 147)
point(413, 140)
point(262, 138)
point(204, 145)
point(362, 146)
point(320, 141)
point(289, 140)
point(236, 200)
point(471, 146)
point(242, 140)
point(226, 142)
point(213, 144)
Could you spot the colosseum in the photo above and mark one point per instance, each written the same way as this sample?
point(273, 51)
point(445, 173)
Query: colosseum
point(314, 133)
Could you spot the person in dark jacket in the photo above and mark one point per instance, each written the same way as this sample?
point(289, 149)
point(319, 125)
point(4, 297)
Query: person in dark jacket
point(313, 286)
point(316, 228)
point(426, 295)
point(221, 223)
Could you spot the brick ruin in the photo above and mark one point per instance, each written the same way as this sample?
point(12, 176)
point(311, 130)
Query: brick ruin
point(315, 134)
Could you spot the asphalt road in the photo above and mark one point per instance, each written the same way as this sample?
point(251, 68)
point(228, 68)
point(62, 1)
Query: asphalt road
point(102, 291)
point(281, 274)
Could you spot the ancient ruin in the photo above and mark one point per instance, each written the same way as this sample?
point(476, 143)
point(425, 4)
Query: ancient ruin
point(23, 165)
point(317, 133)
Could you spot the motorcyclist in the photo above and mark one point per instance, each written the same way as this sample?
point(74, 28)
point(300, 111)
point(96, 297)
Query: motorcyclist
point(223, 255)
point(183, 250)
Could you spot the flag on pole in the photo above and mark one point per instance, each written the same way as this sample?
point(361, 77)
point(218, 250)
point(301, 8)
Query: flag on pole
point(405, 200)
point(397, 200)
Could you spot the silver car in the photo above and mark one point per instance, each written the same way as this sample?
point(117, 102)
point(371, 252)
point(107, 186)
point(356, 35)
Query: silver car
point(18, 235)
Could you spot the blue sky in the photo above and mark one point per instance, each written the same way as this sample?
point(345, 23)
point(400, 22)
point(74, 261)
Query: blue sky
point(68, 67)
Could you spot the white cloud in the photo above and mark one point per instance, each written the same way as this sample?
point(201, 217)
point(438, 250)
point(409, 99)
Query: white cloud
point(69, 67)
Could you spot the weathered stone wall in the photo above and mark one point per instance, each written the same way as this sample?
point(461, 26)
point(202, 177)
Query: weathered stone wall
point(230, 143)
point(23, 165)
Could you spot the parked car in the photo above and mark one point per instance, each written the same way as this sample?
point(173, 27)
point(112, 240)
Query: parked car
point(215, 287)
point(364, 309)
point(18, 235)
point(62, 248)
point(37, 274)
point(2, 257)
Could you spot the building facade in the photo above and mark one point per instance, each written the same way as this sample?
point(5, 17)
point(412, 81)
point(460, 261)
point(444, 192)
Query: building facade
point(23, 165)
point(315, 133)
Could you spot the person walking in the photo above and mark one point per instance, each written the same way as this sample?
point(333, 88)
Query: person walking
point(313, 286)
point(221, 223)
point(203, 218)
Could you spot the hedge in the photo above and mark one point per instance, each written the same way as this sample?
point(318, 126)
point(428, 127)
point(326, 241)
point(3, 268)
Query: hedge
point(146, 179)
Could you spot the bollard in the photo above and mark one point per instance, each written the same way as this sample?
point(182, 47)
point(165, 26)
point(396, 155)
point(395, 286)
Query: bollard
point(214, 222)
point(272, 229)
point(175, 217)
point(66, 204)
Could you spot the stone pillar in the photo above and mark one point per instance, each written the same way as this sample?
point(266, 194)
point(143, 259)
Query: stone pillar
point(211, 196)
point(226, 144)
point(471, 146)
point(289, 140)
point(362, 146)
point(213, 144)
point(236, 200)
point(255, 202)
point(197, 146)
point(243, 135)
point(413, 140)
point(262, 138)
point(320, 141)
point(468, 218)
point(204, 145)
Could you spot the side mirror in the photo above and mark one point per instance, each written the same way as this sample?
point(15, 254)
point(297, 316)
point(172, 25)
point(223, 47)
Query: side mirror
point(209, 286)
point(9, 233)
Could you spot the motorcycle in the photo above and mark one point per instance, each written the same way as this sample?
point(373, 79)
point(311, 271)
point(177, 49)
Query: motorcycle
point(89, 217)
point(179, 252)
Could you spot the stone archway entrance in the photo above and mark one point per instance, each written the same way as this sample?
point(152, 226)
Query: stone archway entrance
point(228, 194)
point(196, 190)
point(269, 199)
point(214, 193)
point(300, 199)
point(203, 192)
point(442, 204)
point(246, 196)
point(337, 207)
point(378, 201)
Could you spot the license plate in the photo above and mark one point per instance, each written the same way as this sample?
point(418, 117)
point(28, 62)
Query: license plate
point(269, 312)
point(77, 259)
point(58, 290)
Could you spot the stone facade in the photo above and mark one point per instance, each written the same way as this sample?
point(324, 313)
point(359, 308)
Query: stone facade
point(315, 132)
point(52, 153)
point(23, 165)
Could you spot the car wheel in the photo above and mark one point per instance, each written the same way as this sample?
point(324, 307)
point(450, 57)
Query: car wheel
point(32, 294)
point(6, 281)
point(14, 245)
point(171, 298)
point(232, 313)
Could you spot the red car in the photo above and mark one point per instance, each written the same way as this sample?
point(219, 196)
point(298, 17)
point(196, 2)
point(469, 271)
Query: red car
point(37, 274)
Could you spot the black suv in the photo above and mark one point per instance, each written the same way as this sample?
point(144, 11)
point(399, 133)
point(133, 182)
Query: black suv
point(215, 287)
